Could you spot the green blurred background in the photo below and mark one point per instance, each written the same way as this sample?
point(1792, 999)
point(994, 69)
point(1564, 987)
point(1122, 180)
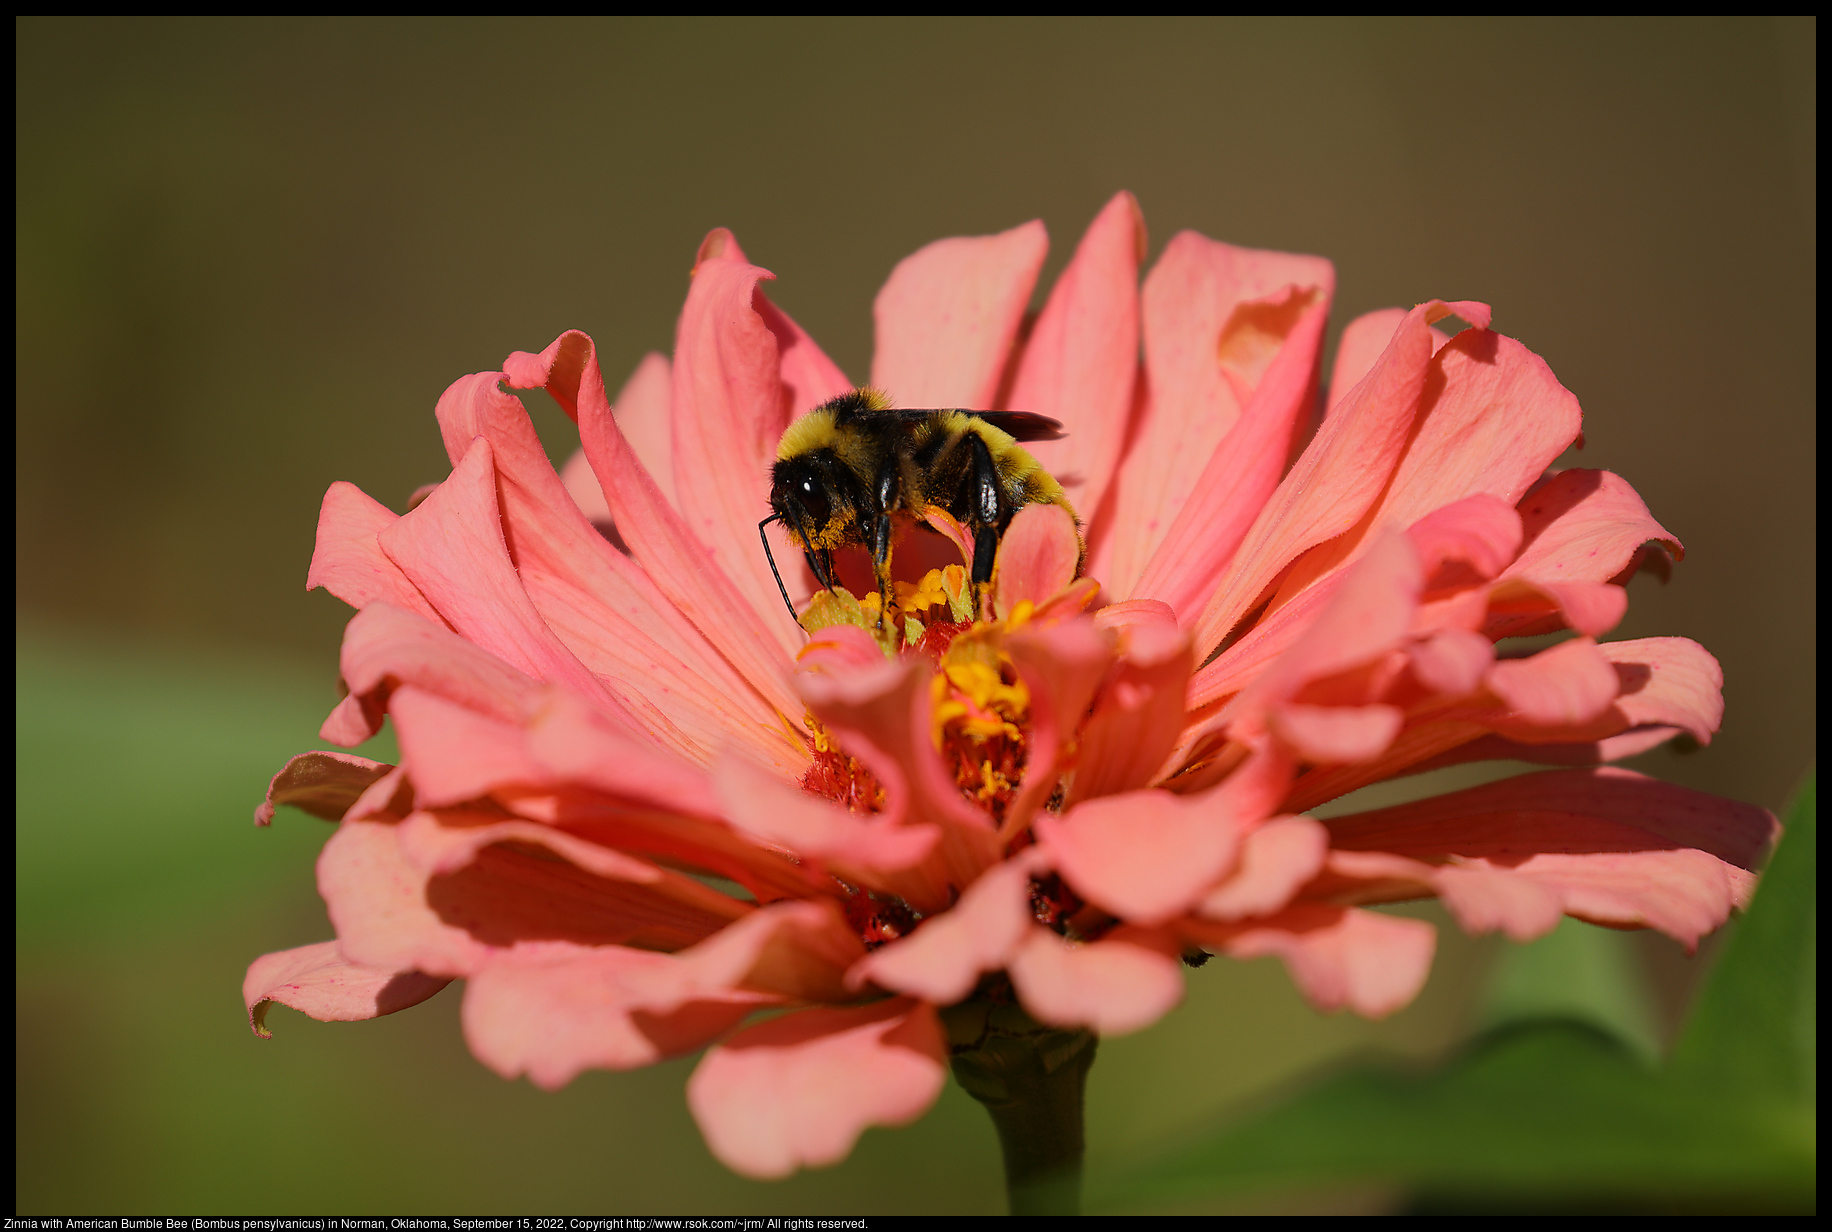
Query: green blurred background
point(251, 254)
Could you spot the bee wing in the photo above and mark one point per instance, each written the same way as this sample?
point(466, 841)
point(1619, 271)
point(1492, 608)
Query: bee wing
point(1024, 425)
point(1019, 425)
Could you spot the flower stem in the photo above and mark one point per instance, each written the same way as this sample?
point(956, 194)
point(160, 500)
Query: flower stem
point(1030, 1078)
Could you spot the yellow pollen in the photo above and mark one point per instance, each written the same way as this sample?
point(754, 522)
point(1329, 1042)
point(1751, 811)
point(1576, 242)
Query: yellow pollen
point(970, 694)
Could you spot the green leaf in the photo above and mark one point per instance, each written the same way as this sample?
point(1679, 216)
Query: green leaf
point(1754, 1027)
point(1560, 1112)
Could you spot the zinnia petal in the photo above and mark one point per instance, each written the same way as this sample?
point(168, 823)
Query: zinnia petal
point(949, 314)
point(797, 1091)
point(318, 980)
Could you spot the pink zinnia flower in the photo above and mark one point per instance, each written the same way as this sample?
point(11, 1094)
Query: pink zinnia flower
point(637, 804)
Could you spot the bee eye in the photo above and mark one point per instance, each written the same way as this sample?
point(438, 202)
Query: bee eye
point(814, 501)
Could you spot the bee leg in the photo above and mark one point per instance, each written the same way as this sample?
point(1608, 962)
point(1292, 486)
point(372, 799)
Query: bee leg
point(985, 515)
point(985, 552)
point(881, 563)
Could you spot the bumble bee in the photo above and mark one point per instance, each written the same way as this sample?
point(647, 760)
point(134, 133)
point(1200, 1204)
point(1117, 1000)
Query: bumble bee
point(848, 468)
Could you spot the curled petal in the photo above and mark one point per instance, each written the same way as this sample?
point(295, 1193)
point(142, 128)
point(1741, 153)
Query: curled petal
point(1122, 983)
point(452, 545)
point(1339, 957)
point(1566, 685)
point(949, 313)
point(1148, 855)
point(1362, 342)
point(322, 784)
point(943, 959)
point(1582, 528)
point(1668, 680)
point(729, 409)
point(677, 565)
point(1275, 862)
point(384, 646)
point(1481, 532)
point(797, 1091)
point(349, 562)
point(317, 980)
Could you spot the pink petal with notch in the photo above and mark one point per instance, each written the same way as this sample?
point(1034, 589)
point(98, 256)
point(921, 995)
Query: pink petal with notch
point(1122, 983)
point(797, 1091)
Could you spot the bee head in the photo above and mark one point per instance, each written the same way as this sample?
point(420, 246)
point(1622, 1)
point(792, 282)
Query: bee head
point(817, 499)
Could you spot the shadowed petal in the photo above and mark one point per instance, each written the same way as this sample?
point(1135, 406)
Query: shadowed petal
point(881, 717)
point(1481, 531)
point(1605, 845)
point(1582, 528)
point(1188, 564)
point(797, 1091)
point(948, 315)
point(943, 959)
point(1666, 685)
point(393, 912)
point(1146, 856)
point(642, 411)
point(1339, 957)
point(1275, 862)
point(659, 540)
point(1563, 686)
point(1137, 716)
point(1061, 663)
point(551, 1010)
point(317, 980)
point(1214, 316)
point(322, 784)
point(1332, 485)
point(1122, 983)
point(877, 853)
point(1081, 359)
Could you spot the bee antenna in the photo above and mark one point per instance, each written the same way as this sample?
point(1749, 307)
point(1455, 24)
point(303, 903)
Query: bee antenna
point(771, 557)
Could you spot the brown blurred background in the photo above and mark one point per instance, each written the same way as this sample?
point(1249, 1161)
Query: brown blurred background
point(251, 254)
